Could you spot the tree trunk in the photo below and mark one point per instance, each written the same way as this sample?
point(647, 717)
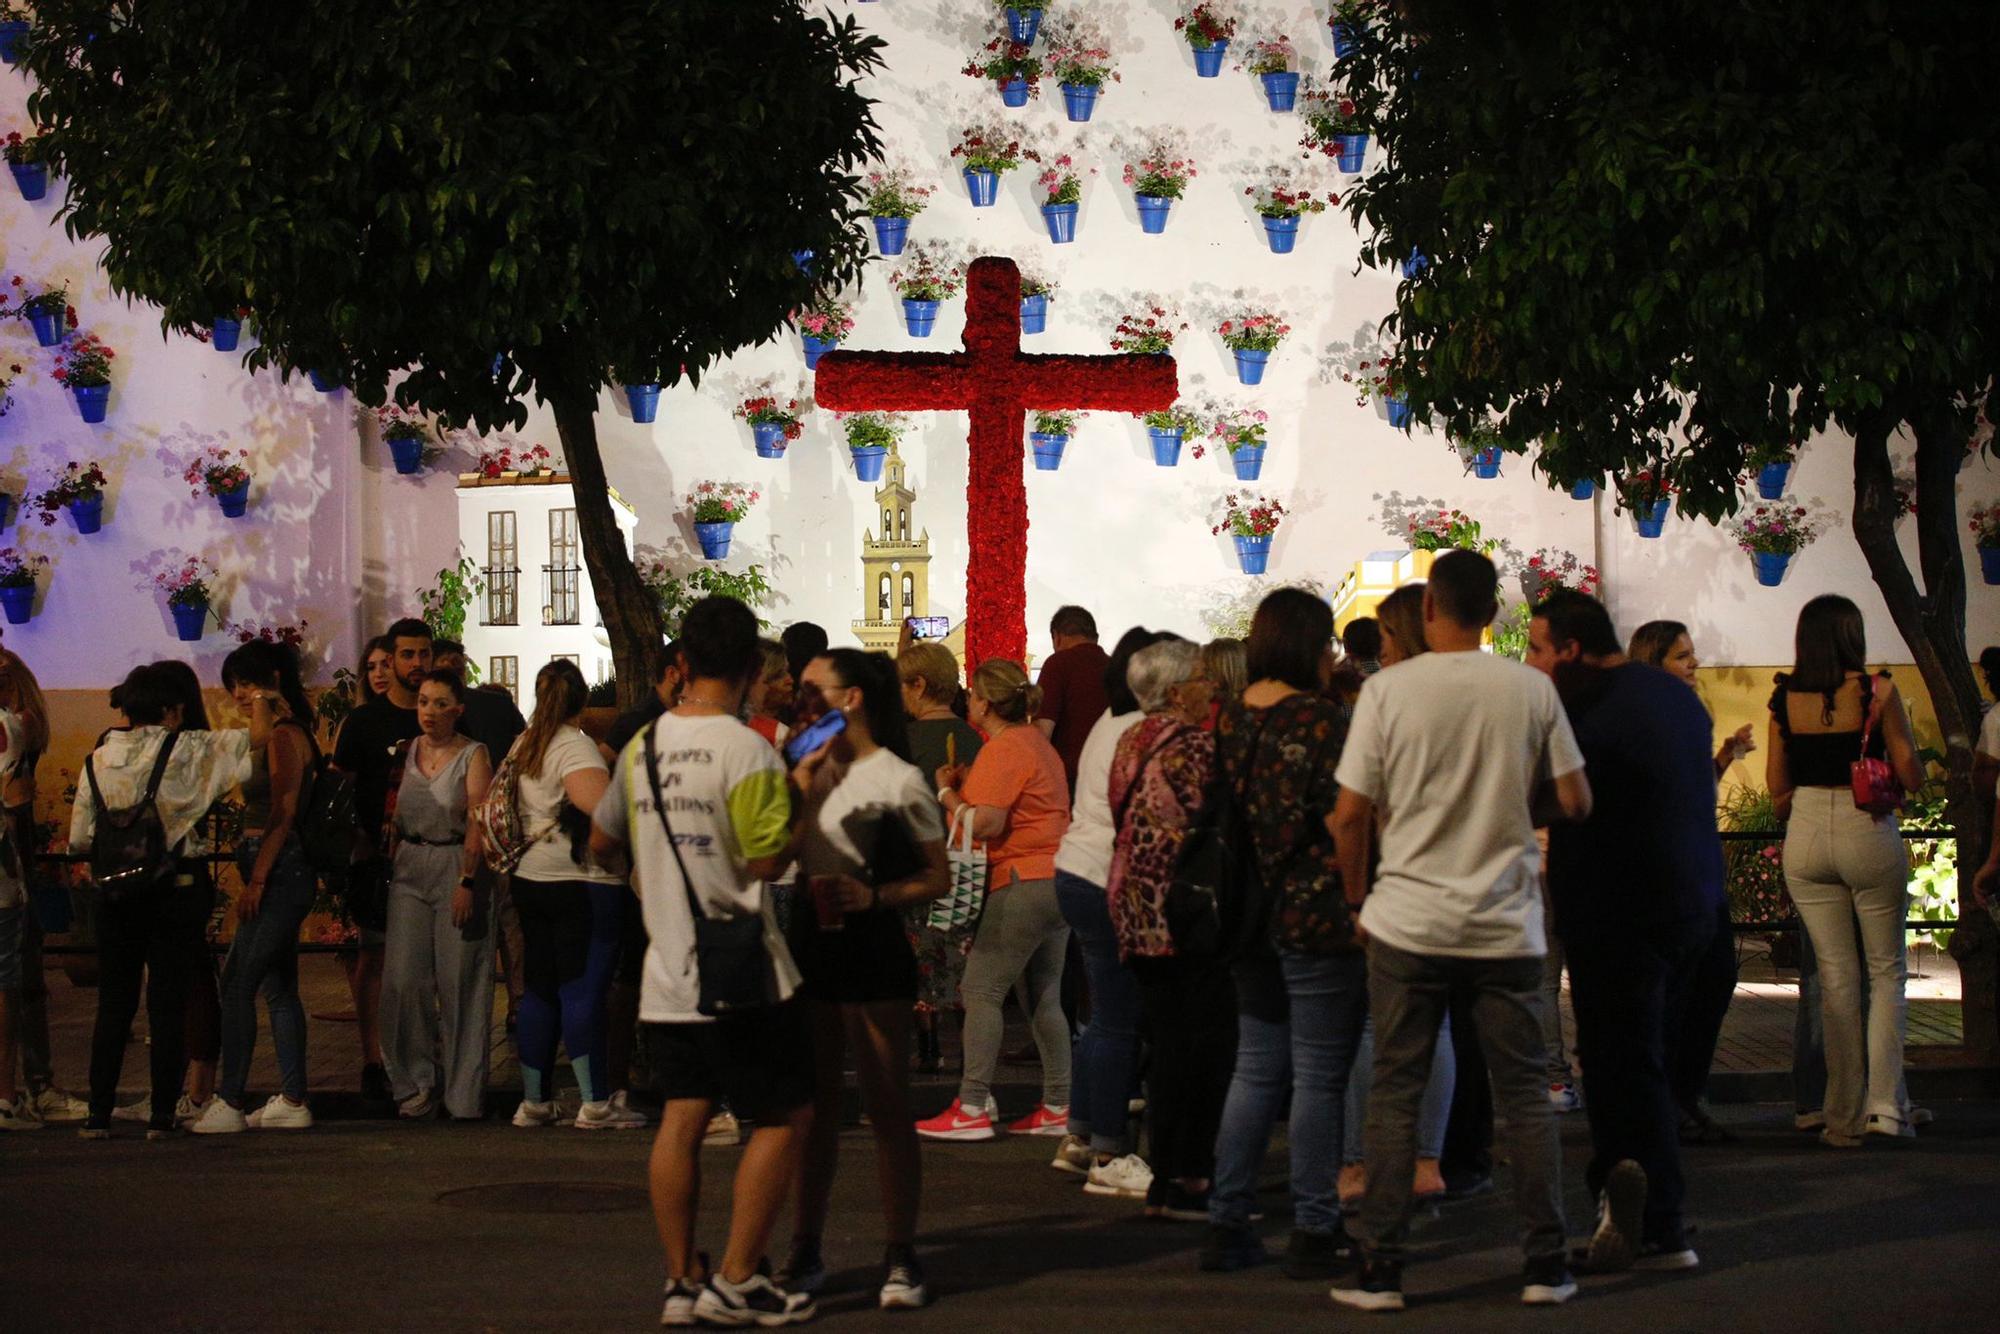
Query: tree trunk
point(1932, 623)
point(630, 612)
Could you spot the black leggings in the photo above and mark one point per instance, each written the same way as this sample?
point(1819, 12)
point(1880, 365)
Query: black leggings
point(159, 935)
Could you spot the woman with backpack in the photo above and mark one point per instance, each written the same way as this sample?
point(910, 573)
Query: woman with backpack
point(278, 891)
point(143, 789)
point(537, 817)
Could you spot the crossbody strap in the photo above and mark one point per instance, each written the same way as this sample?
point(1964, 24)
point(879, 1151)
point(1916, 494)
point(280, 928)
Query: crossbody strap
point(660, 809)
point(1139, 777)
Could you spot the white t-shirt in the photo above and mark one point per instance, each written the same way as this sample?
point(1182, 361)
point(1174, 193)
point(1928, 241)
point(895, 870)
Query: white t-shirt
point(1989, 733)
point(542, 798)
point(873, 788)
point(1086, 849)
point(1451, 747)
point(726, 797)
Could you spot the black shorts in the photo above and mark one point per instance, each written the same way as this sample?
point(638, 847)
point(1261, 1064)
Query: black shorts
point(632, 944)
point(759, 1063)
point(869, 959)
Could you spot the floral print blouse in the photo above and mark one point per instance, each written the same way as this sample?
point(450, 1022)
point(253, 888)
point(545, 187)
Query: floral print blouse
point(1159, 774)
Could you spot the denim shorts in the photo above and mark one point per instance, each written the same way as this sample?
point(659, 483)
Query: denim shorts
point(10, 948)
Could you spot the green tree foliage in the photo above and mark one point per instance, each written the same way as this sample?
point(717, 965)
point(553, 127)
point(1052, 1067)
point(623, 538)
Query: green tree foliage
point(594, 194)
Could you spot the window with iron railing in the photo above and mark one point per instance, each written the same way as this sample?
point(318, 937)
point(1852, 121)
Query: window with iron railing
point(503, 595)
point(561, 589)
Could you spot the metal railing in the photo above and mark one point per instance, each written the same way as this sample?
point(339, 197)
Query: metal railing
point(1771, 836)
point(563, 584)
point(503, 601)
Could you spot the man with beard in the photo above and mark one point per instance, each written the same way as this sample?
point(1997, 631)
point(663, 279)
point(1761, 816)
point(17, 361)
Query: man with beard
point(1637, 888)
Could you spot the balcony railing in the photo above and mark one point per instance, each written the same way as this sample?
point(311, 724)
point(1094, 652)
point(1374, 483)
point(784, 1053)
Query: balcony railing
point(503, 596)
point(562, 585)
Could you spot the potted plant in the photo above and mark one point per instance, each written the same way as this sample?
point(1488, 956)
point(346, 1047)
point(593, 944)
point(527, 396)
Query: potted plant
point(1481, 448)
point(870, 436)
point(80, 490)
point(987, 153)
point(1241, 432)
point(1272, 60)
point(894, 198)
point(6, 403)
point(926, 278)
point(1061, 184)
point(642, 392)
point(188, 595)
point(1158, 177)
point(1281, 199)
point(405, 433)
point(47, 311)
point(1145, 333)
point(1551, 569)
point(19, 572)
point(24, 159)
point(1080, 60)
point(218, 472)
point(83, 366)
point(1646, 496)
point(224, 331)
point(1024, 19)
point(1774, 533)
point(1011, 66)
point(1583, 488)
point(822, 325)
point(1036, 290)
point(1051, 433)
point(1335, 128)
point(1440, 529)
point(1252, 521)
point(1375, 377)
point(1207, 26)
point(15, 25)
point(324, 379)
point(1986, 536)
point(530, 462)
point(715, 509)
point(1167, 428)
point(773, 425)
point(1773, 464)
point(1253, 337)
point(1349, 21)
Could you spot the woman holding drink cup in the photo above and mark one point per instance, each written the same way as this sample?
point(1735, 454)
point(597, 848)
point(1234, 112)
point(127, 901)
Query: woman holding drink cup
point(870, 843)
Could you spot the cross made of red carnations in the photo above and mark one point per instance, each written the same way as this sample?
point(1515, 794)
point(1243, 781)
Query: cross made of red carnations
point(998, 385)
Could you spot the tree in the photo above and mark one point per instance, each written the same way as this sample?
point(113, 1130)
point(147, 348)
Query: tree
point(1670, 235)
point(590, 195)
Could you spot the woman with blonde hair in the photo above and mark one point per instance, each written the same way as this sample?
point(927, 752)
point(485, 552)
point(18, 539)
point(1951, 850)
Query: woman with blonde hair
point(1017, 800)
point(1221, 674)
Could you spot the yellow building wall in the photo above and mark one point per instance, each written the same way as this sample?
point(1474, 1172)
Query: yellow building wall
point(1739, 695)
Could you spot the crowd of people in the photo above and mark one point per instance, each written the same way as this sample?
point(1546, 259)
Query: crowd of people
point(1338, 880)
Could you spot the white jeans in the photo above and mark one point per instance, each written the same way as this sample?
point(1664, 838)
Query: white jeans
point(1843, 865)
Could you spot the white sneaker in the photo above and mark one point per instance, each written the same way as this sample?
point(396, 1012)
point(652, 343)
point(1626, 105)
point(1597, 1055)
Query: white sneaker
point(723, 1128)
point(607, 1115)
point(58, 1108)
point(188, 1110)
point(622, 1101)
point(417, 1106)
point(142, 1110)
point(1125, 1178)
point(531, 1114)
point(13, 1117)
point(219, 1118)
point(1564, 1097)
point(1073, 1155)
point(1878, 1124)
point(280, 1114)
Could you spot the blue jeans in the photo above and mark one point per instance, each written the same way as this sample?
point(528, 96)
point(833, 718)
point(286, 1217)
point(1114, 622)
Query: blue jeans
point(1107, 1051)
point(1326, 998)
point(1432, 1114)
point(265, 956)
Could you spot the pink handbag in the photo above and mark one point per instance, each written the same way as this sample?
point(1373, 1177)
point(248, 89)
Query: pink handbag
point(1877, 790)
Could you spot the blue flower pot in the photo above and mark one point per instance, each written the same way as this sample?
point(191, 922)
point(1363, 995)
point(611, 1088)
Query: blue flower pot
point(324, 381)
point(1399, 412)
point(1208, 61)
point(1771, 566)
point(1486, 463)
point(1350, 151)
point(868, 461)
point(1023, 25)
point(235, 500)
point(1153, 210)
point(983, 187)
point(714, 539)
point(1048, 450)
point(1989, 564)
point(224, 333)
point(32, 177)
point(1253, 554)
point(1014, 92)
point(1583, 490)
point(1166, 446)
point(1415, 263)
point(1248, 460)
point(644, 400)
point(1079, 100)
point(802, 260)
point(407, 452)
point(49, 327)
point(1282, 90)
point(1343, 41)
point(1061, 221)
point(1250, 363)
point(189, 621)
point(19, 603)
point(1771, 479)
point(817, 348)
point(92, 400)
point(1034, 314)
point(770, 438)
point(12, 34)
point(7, 509)
point(891, 235)
point(1654, 519)
point(919, 317)
point(1282, 233)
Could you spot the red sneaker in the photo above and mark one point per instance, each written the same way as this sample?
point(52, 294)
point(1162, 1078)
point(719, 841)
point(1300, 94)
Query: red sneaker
point(954, 1122)
point(1044, 1120)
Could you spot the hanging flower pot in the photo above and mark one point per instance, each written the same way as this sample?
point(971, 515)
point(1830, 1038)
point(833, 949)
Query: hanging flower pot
point(1399, 411)
point(1282, 233)
point(919, 317)
point(18, 600)
point(1208, 59)
point(644, 400)
point(891, 235)
point(189, 620)
point(1771, 479)
point(1153, 210)
point(326, 382)
point(1014, 92)
point(1023, 25)
point(224, 333)
point(1250, 363)
point(1034, 314)
point(983, 187)
point(49, 326)
point(407, 451)
point(1079, 100)
point(714, 539)
point(1281, 89)
point(1652, 519)
point(1248, 460)
point(1771, 566)
point(801, 260)
point(868, 461)
point(1254, 553)
point(32, 178)
point(1166, 446)
point(815, 349)
point(1349, 152)
point(1061, 222)
point(92, 400)
point(13, 33)
point(1989, 564)
point(1343, 40)
point(1048, 450)
point(770, 438)
point(1486, 463)
point(6, 509)
point(1415, 263)
point(1583, 490)
point(234, 501)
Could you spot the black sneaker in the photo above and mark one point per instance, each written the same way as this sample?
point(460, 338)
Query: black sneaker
point(1467, 1188)
point(1666, 1253)
point(1378, 1288)
point(902, 1280)
point(95, 1127)
point(375, 1084)
point(757, 1300)
point(1319, 1255)
point(1620, 1216)
point(1183, 1205)
point(1546, 1281)
point(1229, 1249)
point(805, 1270)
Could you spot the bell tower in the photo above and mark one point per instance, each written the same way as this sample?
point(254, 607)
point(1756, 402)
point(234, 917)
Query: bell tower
point(895, 567)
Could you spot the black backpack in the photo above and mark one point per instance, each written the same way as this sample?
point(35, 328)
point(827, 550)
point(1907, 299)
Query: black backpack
point(326, 820)
point(129, 855)
point(1216, 904)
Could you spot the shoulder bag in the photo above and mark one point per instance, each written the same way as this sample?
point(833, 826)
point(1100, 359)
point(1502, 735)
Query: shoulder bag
point(1877, 790)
